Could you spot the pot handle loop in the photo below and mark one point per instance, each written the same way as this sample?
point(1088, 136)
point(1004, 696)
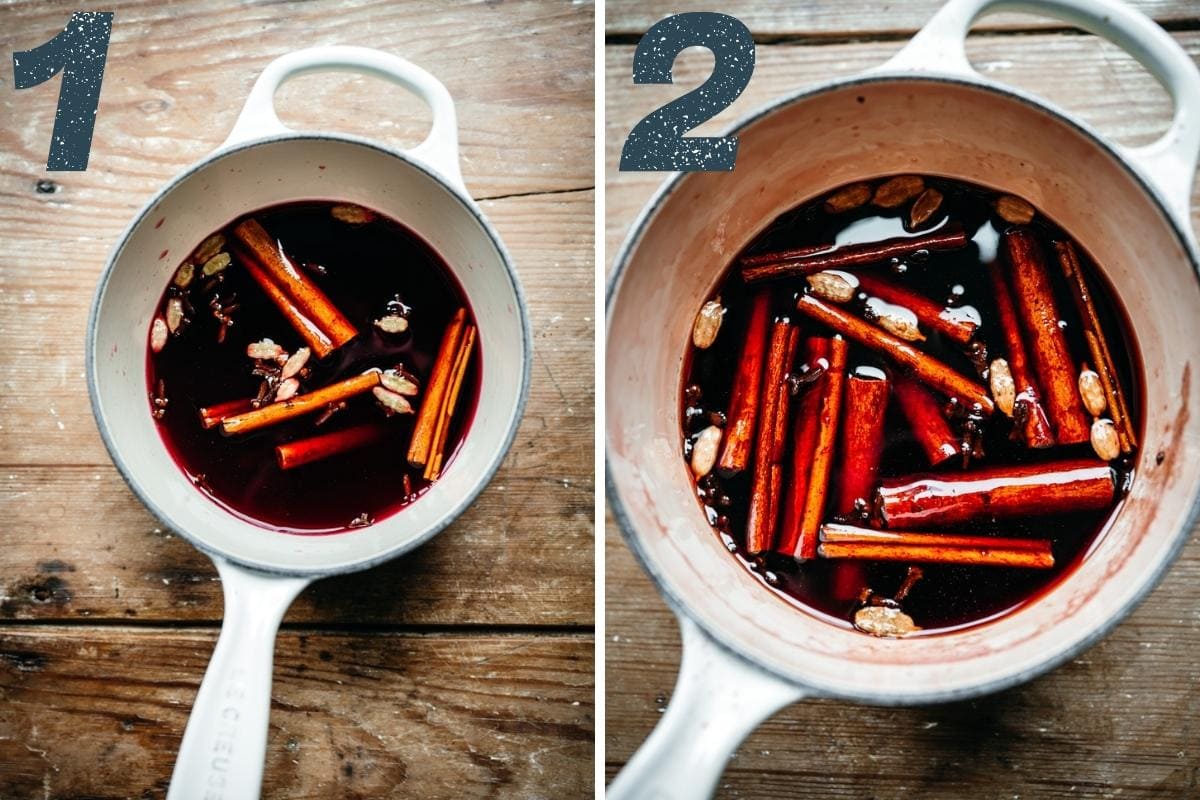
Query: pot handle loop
point(719, 699)
point(1169, 162)
point(225, 742)
point(440, 148)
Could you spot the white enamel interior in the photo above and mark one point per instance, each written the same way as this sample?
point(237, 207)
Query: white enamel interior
point(283, 170)
point(801, 150)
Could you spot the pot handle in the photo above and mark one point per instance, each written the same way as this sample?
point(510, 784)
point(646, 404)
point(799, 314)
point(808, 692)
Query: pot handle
point(225, 742)
point(440, 148)
point(719, 699)
point(1169, 162)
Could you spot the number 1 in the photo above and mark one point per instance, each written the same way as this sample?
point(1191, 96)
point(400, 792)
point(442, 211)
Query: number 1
point(79, 50)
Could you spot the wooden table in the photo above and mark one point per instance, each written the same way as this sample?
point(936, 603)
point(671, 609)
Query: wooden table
point(1121, 720)
point(462, 670)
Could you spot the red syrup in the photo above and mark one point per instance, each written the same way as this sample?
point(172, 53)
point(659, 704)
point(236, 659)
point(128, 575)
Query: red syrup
point(947, 597)
point(368, 271)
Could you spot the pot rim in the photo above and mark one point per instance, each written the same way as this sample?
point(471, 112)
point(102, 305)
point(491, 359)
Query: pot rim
point(625, 524)
point(485, 476)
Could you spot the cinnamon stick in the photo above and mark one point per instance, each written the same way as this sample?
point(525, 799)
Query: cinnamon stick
point(779, 444)
point(781, 428)
point(300, 405)
point(316, 448)
point(805, 261)
point(836, 532)
point(776, 256)
point(861, 444)
point(946, 553)
point(821, 466)
point(421, 448)
point(744, 402)
point(861, 448)
point(764, 501)
point(305, 296)
point(1028, 411)
point(1097, 344)
point(927, 421)
point(804, 445)
point(211, 416)
point(933, 372)
point(1056, 370)
point(957, 324)
point(308, 328)
point(920, 501)
point(462, 358)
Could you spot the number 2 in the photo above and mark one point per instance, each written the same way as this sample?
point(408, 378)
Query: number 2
point(79, 50)
point(657, 141)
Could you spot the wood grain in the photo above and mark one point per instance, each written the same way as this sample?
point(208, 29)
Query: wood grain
point(178, 73)
point(88, 715)
point(1092, 79)
point(1117, 722)
point(125, 565)
point(832, 19)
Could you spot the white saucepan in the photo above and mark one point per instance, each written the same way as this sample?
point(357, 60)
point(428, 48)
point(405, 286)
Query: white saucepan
point(263, 163)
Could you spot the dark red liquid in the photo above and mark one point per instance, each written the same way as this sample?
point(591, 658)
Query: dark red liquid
point(948, 596)
point(360, 268)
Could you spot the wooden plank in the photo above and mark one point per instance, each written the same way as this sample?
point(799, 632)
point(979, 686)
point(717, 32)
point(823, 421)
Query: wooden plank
point(836, 18)
point(100, 713)
point(1093, 79)
point(177, 76)
point(77, 545)
point(1118, 721)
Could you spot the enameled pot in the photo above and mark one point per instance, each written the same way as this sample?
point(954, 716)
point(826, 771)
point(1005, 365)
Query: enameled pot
point(263, 163)
point(746, 653)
